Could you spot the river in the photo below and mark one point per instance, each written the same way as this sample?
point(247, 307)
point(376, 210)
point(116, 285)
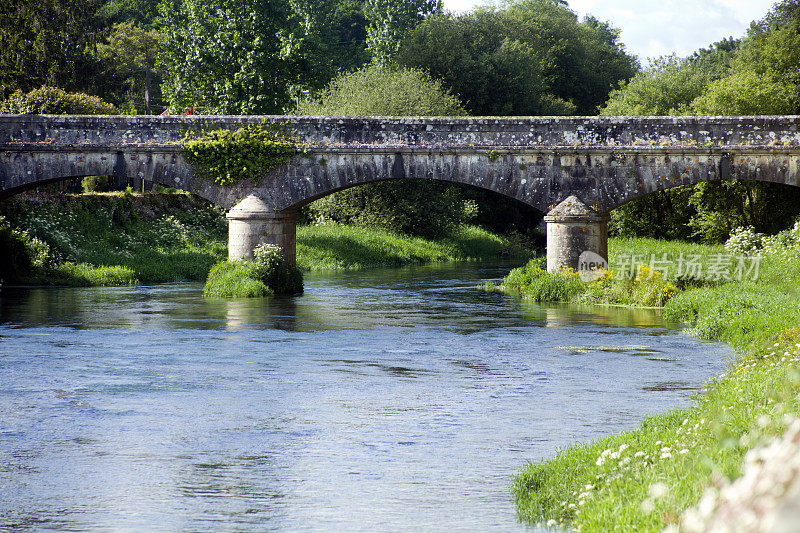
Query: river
point(382, 400)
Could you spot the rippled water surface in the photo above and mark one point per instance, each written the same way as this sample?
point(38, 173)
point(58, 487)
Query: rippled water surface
point(385, 400)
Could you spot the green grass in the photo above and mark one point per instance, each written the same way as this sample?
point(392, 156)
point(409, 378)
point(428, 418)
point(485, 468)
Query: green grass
point(109, 239)
point(235, 279)
point(124, 239)
point(337, 247)
point(644, 479)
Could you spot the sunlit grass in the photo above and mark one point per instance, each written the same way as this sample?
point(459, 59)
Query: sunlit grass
point(124, 239)
point(337, 247)
point(644, 479)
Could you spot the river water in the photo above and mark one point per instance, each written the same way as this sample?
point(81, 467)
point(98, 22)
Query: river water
point(384, 400)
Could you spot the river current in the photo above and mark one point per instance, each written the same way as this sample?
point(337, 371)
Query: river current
point(383, 400)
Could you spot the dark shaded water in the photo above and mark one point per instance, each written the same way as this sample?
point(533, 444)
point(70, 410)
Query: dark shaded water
point(386, 400)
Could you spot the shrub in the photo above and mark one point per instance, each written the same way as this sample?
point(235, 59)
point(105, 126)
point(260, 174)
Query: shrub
point(534, 283)
point(275, 272)
point(21, 253)
point(649, 288)
point(415, 207)
point(744, 241)
point(266, 275)
point(54, 101)
point(375, 90)
point(91, 184)
point(424, 208)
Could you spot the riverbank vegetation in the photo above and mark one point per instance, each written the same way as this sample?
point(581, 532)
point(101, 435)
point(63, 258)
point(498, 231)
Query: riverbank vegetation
point(126, 239)
point(645, 479)
point(267, 274)
point(337, 247)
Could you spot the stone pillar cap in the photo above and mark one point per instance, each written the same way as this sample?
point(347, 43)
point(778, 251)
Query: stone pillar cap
point(573, 209)
point(252, 207)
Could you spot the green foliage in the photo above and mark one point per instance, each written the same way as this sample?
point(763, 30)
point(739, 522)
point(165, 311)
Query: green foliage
point(660, 215)
point(90, 184)
point(266, 275)
point(119, 239)
point(21, 253)
point(86, 275)
point(667, 87)
point(130, 75)
point(756, 75)
point(55, 101)
point(535, 284)
point(390, 21)
point(416, 207)
point(346, 36)
point(530, 57)
point(47, 43)
point(235, 279)
point(336, 247)
point(244, 56)
point(383, 91)
point(642, 480)
point(139, 12)
point(227, 157)
point(648, 288)
point(746, 92)
point(707, 212)
point(271, 268)
point(424, 208)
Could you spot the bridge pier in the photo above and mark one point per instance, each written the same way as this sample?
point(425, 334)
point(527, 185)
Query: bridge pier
point(572, 229)
point(252, 222)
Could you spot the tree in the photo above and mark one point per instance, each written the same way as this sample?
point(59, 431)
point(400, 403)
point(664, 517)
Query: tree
point(347, 36)
point(530, 57)
point(139, 12)
point(745, 92)
point(390, 21)
point(759, 74)
point(238, 56)
point(417, 207)
point(383, 91)
point(130, 58)
point(667, 87)
point(47, 42)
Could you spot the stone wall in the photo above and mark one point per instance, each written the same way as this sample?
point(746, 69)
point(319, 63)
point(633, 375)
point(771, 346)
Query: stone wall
point(603, 161)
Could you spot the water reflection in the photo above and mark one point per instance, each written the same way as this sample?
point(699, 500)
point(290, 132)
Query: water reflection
point(434, 295)
point(381, 401)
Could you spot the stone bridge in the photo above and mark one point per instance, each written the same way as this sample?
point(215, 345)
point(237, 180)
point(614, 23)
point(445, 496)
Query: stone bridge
point(576, 169)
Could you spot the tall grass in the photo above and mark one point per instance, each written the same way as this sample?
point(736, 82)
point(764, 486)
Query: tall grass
point(120, 239)
point(123, 239)
point(338, 247)
point(645, 479)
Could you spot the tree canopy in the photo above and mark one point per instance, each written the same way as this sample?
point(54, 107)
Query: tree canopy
point(758, 74)
point(418, 207)
point(47, 42)
point(529, 57)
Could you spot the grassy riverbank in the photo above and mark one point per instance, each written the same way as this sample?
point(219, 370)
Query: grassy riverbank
point(126, 239)
point(644, 479)
point(337, 247)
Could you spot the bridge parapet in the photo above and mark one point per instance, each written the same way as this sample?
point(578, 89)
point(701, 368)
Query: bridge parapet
point(432, 132)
